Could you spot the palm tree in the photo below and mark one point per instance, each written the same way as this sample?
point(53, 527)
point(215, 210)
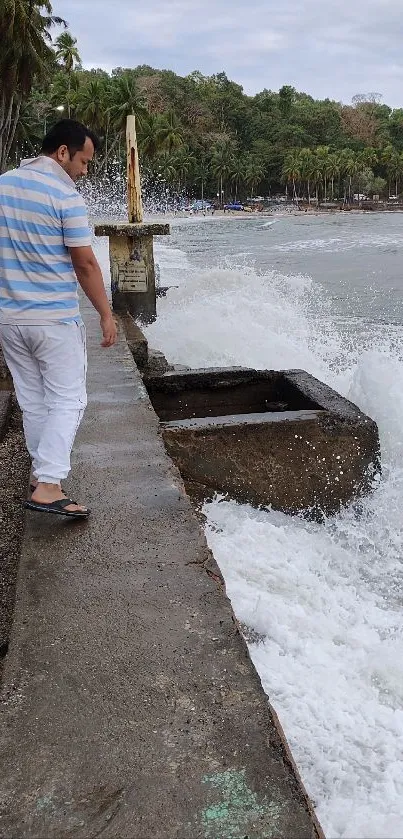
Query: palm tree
point(65, 90)
point(345, 165)
point(352, 168)
point(184, 161)
point(291, 171)
point(322, 156)
point(222, 165)
point(202, 173)
point(317, 173)
point(254, 174)
point(391, 158)
point(238, 174)
point(91, 104)
point(170, 132)
point(150, 139)
point(333, 169)
point(28, 133)
point(125, 99)
point(25, 54)
point(67, 53)
point(307, 168)
point(166, 169)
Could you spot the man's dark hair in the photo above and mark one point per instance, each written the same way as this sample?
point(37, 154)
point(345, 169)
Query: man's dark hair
point(68, 132)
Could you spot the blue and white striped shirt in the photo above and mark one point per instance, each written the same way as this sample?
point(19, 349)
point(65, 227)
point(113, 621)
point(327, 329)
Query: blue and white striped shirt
point(41, 216)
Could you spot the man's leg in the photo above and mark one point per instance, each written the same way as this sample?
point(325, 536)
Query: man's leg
point(28, 385)
point(50, 361)
point(60, 350)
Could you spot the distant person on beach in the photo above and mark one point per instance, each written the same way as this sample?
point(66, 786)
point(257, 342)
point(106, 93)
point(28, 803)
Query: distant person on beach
point(45, 247)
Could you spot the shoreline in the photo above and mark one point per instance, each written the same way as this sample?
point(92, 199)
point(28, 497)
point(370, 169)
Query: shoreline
point(268, 214)
point(263, 215)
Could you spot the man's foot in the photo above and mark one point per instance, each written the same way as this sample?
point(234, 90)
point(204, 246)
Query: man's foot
point(49, 493)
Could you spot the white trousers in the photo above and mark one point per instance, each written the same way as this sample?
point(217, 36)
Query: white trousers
point(49, 366)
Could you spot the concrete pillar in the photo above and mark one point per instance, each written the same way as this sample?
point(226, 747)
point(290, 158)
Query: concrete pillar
point(131, 245)
point(132, 266)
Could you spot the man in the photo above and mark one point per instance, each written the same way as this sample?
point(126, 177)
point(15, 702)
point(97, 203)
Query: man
point(45, 247)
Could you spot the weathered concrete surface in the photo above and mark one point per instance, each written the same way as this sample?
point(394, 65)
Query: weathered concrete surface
point(130, 706)
point(133, 231)
point(5, 410)
point(284, 439)
point(131, 257)
point(223, 391)
point(137, 342)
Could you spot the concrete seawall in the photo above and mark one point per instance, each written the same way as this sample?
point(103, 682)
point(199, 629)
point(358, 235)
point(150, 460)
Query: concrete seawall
point(130, 706)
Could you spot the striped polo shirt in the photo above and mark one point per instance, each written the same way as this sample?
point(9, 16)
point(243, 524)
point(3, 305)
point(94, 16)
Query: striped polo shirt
point(41, 216)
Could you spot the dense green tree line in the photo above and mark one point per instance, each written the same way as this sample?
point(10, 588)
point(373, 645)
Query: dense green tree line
point(197, 134)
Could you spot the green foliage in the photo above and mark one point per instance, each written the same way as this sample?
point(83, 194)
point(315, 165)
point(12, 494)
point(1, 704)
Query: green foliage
point(199, 133)
point(25, 56)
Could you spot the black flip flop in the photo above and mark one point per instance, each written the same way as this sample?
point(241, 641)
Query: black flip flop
point(58, 507)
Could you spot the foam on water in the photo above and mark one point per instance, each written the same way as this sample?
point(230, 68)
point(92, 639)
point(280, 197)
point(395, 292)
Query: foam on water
point(326, 599)
point(339, 243)
point(236, 316)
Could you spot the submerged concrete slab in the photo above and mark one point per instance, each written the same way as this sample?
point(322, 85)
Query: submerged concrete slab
point(280, 439)
point(130, 707)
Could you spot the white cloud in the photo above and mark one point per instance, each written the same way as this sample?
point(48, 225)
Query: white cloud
point(334, 48)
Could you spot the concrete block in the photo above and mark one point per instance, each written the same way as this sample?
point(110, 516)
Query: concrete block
point(131, 259)
point(136, 340)
point(280, 439)
point(157, 363)
point(133, 231)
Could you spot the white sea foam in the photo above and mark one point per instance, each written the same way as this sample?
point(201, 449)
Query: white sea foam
point(269, 223)
point(327, 598)
point(337, 244)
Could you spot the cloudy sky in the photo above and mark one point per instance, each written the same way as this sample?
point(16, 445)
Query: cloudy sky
point(334, 48)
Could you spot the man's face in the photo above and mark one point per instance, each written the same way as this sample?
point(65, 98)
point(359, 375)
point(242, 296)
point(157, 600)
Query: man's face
point(76, 166)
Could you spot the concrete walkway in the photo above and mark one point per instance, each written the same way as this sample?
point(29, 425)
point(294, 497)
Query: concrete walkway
point(130, 706)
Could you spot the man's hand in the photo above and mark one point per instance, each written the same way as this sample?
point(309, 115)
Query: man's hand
point(89, 276)
point(109, 330)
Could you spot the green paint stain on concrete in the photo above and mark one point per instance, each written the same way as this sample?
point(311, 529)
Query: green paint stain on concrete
point(238, 814)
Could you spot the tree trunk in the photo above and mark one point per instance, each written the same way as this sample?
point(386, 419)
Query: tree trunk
point(13, 128)
point(68, 96)
point(7, 128)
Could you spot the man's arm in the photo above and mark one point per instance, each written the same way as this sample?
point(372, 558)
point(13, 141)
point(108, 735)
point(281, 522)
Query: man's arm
point(89, 276)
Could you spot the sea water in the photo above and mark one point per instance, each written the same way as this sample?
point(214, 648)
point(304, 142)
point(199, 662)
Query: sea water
point(323, 294)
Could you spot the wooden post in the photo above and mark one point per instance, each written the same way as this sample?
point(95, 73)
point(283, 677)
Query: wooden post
point(134, 202)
